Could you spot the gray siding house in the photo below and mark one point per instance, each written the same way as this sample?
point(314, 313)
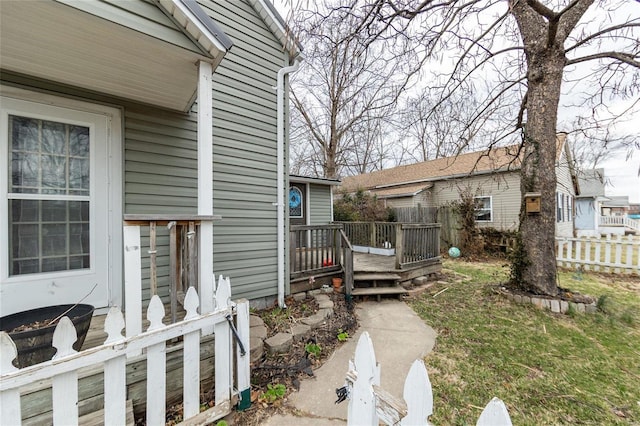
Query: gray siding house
point(493, 178)
point(117, 108)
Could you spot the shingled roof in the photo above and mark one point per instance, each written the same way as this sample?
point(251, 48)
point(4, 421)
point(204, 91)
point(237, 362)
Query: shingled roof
point(412, 178)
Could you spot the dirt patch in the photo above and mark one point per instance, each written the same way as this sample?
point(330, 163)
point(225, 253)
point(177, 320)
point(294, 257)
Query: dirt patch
point(305, 356)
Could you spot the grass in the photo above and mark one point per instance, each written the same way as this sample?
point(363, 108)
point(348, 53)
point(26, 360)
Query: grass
point(548, 368)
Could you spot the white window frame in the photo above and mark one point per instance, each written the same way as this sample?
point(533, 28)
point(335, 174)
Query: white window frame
point(49, 288)
point(490, 197)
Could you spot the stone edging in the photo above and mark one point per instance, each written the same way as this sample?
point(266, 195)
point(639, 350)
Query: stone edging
point(281, 342)
point(554, 305)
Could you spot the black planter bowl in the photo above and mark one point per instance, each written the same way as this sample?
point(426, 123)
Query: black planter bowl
point(34, 346)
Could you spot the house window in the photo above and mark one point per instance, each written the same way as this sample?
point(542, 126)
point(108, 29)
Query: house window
point(569, 208)
point(295, 202)
point(559, 201)
point(484, 211)
point(48, 196)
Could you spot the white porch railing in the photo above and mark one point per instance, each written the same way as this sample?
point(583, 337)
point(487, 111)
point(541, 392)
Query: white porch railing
point(64, 367)
point(620, 221)
point(621, 254)
point(369, 404)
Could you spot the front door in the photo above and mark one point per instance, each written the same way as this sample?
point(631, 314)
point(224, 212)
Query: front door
point(55, 217)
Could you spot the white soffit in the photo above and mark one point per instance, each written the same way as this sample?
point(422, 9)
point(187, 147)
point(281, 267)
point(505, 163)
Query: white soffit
point(56, 42)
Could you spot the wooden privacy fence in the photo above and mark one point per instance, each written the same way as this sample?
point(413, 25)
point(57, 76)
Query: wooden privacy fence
point(369, 404)
point(231, 366)
point(621, 254)
point(416, 214)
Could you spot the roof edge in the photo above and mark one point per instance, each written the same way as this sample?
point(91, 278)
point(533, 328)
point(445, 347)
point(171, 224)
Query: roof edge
point(186, 12)
point(278, 26)
point(316, 180)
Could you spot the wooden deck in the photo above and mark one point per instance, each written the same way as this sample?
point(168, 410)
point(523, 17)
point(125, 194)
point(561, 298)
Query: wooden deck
point(366, 263)
point(376, 275)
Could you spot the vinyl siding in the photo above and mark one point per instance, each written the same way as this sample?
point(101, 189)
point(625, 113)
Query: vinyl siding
point(504, 188)
point(244, 151)
point(400, 202)
point(319, 204)
point(564, 186)
point(160, 154)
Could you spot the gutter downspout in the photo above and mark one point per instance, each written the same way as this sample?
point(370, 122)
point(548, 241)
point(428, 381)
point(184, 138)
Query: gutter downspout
point(280, 216)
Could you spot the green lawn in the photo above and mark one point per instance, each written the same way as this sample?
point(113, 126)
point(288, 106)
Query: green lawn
point(548, 368)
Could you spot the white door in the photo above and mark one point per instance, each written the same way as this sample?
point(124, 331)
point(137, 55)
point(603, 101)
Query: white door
point(56, 221)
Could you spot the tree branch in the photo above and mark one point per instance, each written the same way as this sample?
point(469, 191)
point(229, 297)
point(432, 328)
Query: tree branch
point(618, 56)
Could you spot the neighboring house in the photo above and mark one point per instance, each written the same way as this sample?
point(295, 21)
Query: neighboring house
point(615, 205)
point(493, 178)
point(588, 203)
point(311, 200)
point(165, 107)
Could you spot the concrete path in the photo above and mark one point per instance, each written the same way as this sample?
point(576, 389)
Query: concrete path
point(399, 337)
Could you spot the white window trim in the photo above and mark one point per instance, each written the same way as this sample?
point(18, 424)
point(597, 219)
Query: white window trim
point(114, 172)
point(490, 197)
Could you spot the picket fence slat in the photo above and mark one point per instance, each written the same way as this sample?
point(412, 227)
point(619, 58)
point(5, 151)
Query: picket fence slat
point(619, 255)
point(63, 368)
point(369, 404)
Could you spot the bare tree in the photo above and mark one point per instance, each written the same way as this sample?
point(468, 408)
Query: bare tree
point(447, 130)
point(346, 89)
point(522, 49)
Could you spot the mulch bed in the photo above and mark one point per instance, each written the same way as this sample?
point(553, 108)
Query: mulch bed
point(291, 367)
point(288, 368)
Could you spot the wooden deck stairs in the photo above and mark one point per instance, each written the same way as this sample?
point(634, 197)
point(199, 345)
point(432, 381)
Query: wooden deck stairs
point(377, 284)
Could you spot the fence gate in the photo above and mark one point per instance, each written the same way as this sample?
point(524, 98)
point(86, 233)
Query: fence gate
point(231, 363)
point(369, 404)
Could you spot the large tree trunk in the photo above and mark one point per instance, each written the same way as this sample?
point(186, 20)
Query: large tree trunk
point(537, 231)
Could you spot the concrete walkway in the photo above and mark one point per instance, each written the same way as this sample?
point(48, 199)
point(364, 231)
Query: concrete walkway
point(399, 337)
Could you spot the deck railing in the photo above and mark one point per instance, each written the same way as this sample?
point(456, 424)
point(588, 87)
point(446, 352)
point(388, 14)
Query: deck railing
point(620, 221)
point(416, 243)
point(411, 243)
point(314, 249)
point(161, 251)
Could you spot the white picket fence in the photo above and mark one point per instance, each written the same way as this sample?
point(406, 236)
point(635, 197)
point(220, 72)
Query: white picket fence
point(614, 255)
point(64, 367)
point(369, 404)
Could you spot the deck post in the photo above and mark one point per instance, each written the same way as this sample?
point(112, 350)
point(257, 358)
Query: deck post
point(399, 245)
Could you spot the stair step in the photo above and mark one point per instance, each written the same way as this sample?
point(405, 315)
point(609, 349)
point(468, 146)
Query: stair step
point(374, 291)
point(375, 277)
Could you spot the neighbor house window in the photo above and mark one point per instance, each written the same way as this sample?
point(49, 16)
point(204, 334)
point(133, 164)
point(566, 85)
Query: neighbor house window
point(559, 203)
point(49, 196)
point(484, 211)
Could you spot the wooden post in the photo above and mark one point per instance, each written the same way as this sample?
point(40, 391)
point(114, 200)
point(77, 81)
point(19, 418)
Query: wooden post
point(173, 270)
point(153, 272)
point(399, 245)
